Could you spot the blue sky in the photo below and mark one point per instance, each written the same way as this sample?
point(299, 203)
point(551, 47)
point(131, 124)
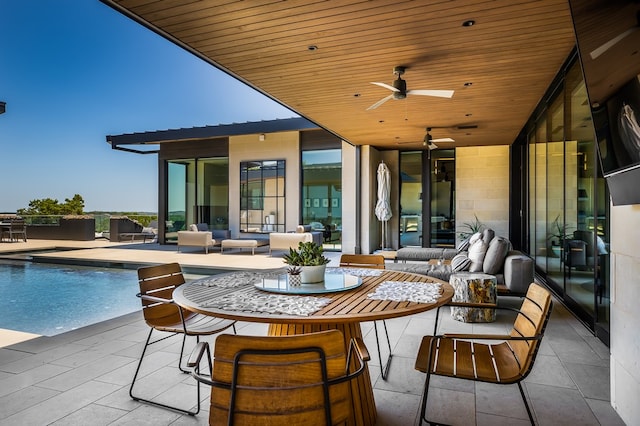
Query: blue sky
point(74, 71)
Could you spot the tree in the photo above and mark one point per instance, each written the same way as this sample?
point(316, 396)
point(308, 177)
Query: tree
point(50, 206)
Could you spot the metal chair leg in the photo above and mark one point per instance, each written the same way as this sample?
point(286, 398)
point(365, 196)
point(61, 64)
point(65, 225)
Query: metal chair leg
point(384, 369)
point(526, 404)
point(158, 404)
point(425, 393)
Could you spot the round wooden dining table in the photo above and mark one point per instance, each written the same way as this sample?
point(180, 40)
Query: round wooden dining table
point(343, 310)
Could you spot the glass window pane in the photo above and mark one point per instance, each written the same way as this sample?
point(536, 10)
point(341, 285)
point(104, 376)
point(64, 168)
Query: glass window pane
point(213, 192)
point(321, 194)
point(262, 207)
point(443, 176)
point(411, 199)
point(556, 227)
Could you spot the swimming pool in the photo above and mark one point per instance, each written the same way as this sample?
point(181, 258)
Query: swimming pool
point(51, 299)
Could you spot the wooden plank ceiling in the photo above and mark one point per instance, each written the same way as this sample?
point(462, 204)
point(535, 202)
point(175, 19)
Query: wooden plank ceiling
point(319, 58)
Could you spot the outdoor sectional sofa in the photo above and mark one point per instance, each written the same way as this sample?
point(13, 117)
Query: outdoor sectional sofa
point(287, 240)
point(483, 252)
point(200, 236)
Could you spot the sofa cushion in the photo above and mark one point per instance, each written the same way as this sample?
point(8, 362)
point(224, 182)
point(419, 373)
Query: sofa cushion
point(477, 251)
point(303, 228)
point(221, 234)
point(202, 227)
point(460, 262)
point(193, 227)
point(488, 234)
point(464, 245)
point(494, 258)
point(475, 237)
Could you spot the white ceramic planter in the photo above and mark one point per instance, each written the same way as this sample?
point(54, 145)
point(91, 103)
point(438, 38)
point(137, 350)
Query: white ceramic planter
point(312, 274)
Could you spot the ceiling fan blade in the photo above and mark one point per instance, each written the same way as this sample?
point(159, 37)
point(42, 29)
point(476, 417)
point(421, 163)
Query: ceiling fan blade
point(443, 140)
point(438, 93)
point(386, 86)
point(608, 45)
point(380, 102)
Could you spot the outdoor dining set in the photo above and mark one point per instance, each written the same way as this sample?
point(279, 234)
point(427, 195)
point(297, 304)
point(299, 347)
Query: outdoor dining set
point(13, 230)
point(312, 367)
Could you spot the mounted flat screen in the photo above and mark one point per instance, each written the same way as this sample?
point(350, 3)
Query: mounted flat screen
point(608, 37)
point(620, 149)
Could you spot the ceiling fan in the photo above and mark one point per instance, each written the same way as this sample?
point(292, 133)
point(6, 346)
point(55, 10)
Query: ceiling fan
point(429, 141)
point(399, 89)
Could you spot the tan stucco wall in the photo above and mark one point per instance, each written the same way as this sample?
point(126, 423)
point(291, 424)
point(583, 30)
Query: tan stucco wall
point(276, 146)
point(482, 187)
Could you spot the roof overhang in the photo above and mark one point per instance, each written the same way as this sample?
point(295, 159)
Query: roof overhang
point(148, 142)
point(320, 58)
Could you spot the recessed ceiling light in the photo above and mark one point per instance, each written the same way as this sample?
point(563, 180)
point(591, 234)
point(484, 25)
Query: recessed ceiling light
point(381, 121)
point(356, 95)
point(469, 23)
point(312, 47)
point(468, 114)
point(468, 84)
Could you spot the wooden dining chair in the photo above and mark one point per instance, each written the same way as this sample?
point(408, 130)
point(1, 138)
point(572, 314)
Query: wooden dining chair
point(371, 261)
point(280, 380)
point(16, 228)
point(507, 362)
point(162, 314)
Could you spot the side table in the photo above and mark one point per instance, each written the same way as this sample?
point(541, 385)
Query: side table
point(474, 287)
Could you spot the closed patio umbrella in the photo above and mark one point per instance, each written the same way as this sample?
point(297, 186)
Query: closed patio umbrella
point(383, 208)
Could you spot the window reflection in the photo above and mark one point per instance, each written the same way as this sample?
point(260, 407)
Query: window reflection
point(197, 192)
point(262, 185)
point(322, 194)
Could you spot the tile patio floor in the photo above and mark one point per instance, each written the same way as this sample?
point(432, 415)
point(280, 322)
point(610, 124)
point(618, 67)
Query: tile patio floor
point(82, 377)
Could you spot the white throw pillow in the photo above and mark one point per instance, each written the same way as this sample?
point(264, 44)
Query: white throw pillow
point(193, 227)
point(477, 251)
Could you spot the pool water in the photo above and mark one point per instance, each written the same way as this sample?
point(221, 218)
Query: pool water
point(52, 299)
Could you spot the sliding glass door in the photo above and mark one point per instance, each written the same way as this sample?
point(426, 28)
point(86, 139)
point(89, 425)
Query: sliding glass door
point(322, 194)
point(197, 192)
point(427, 198)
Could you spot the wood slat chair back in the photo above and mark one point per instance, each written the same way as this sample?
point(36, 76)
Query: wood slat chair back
point(530, 323)
point(160, 281)
point(161, 313)
point(280, 380)
point(506, 362)
point(373, 261)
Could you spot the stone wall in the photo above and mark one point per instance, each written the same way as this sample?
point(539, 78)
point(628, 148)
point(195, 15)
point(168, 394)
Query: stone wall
point(625, 315)
point(482, 187)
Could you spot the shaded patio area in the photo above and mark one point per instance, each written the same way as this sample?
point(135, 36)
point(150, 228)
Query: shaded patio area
point(83, 376)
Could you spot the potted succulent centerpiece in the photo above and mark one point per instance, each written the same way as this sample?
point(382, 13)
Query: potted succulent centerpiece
point(311, 261)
